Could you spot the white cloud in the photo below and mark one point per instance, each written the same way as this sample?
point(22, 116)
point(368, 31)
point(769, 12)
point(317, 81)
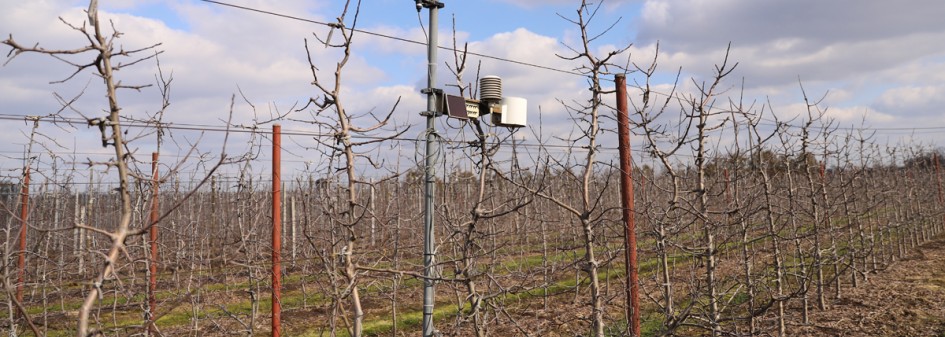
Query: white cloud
point(837, 46)
point(656, 13)
point(853, 116)
point(701, 24)
point(889, 69)
point(913, 100)
point(928, 70)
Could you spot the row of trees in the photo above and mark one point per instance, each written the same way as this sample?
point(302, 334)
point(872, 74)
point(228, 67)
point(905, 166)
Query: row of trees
point(746, 223)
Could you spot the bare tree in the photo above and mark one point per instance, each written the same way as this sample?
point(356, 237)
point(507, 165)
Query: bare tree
point(700, 108)
point(650, 111)
point(481, 289)
point(344, 145)
point(103, 46)
point(588, 210)
point(108, 59)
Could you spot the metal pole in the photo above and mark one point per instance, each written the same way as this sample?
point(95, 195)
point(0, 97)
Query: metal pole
point(626, 196)
point(429, 188)
point(373, 218)
point(276, 229)
point(938, 178)
point(153, 240)
point(21, 255)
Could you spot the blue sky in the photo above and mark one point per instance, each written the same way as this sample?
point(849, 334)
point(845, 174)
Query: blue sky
point(876, 62)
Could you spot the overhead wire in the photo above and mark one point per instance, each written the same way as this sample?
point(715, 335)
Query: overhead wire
point(284, 132)
point(397, 38)
point(497, 58)
point(444, 141)
point(256, 129)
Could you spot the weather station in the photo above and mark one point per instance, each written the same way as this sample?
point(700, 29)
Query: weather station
point(506, 111)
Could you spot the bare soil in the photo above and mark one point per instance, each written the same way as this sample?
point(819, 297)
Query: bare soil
point(907, 299)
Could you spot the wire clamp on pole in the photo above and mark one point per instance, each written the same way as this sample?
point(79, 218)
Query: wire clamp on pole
point(427, 91)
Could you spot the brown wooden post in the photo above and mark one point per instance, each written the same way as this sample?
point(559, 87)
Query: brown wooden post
point(276, 229)
point(153, 241)
point(21, 254)
point(626, 196)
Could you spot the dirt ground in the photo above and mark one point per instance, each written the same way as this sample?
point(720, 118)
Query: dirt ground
point(907, 299)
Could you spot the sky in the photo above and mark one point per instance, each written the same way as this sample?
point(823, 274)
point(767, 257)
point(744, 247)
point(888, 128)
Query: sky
point(875, 64)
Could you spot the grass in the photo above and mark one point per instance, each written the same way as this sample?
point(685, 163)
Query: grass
point(651, 325)
point(182, 315)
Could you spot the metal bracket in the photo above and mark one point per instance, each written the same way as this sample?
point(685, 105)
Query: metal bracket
point(438, 94)
point(428, 4)
point(428, 91)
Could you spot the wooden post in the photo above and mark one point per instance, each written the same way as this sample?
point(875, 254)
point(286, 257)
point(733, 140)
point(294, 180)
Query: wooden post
point(626, 197)
point(276, 229)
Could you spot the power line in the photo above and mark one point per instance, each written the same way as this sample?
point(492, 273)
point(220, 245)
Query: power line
point(772, 122)
point(254, 129)
point(448, 142)
point(204, 127)
point(286, 132)
point(396, 38)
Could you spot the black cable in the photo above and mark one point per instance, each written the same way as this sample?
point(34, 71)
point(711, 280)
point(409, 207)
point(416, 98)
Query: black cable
point(285, 132)
point(394, 38)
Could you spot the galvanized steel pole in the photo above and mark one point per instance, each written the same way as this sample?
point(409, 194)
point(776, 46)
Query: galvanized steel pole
point(938, 178)
point(626, 196)
point(21, 254)
point(429, 292)
point(153, 240)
